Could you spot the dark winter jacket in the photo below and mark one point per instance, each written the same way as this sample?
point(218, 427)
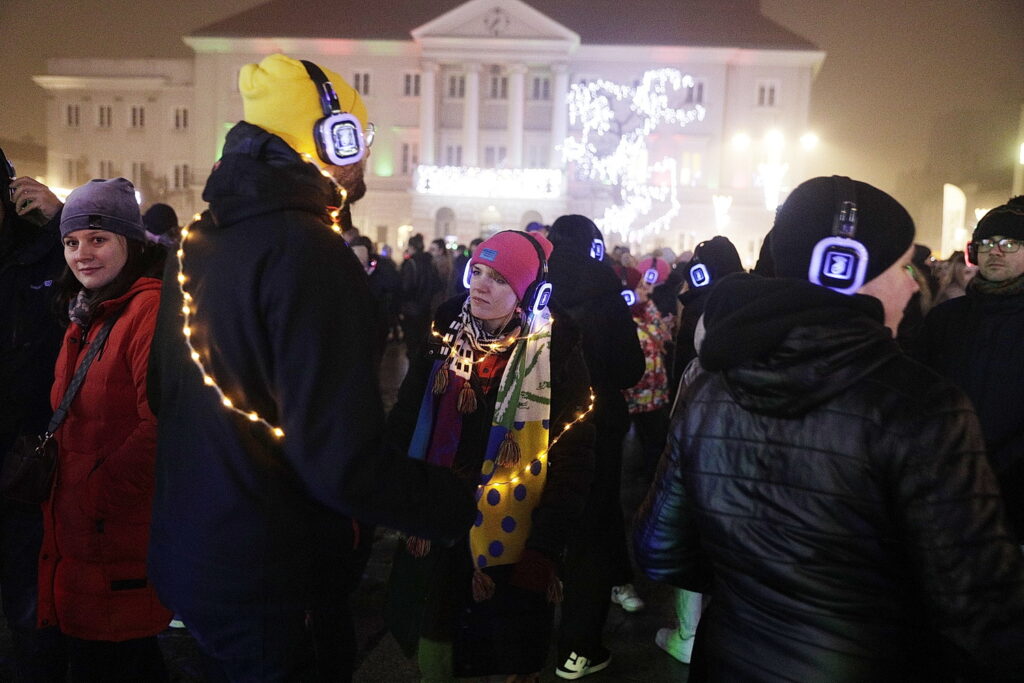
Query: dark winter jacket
point(693, 301)
point(975, 341)
point(590, 293)
point(834, 498)
point(571, 459)
point(245, 522)
point(420, 284)
point(92, 566)
point(31, 261)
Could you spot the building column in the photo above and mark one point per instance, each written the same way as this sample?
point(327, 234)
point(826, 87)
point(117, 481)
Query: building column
point(471, 116)
point(516, 111)
point(428, 111)
point(559, 113)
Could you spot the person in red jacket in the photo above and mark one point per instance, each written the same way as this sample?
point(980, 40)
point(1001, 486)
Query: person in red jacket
point(92, 567)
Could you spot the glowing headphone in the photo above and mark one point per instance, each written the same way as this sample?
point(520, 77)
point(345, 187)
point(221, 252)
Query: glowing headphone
point(840, 262)
point(338, 135)
point(629, 295)
point(699, 274)
point(538, 294)
point(597, 249)
point(651, 274)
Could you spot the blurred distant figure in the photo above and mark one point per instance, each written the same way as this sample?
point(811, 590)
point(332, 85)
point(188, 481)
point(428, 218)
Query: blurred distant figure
point(954, 276)
point(420, 284)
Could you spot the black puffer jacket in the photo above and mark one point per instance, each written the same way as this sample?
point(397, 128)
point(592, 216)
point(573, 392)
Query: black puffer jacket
point(975, 341)
point(244, 522)
point(834, 498)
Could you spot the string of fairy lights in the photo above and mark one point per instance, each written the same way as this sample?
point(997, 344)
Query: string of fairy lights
point(188, 310)
point(499, 346)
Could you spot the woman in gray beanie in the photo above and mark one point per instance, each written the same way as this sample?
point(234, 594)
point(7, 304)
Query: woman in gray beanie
point(92, 569)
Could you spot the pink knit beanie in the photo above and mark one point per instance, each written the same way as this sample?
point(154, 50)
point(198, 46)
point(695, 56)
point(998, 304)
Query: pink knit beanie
point(512, 254)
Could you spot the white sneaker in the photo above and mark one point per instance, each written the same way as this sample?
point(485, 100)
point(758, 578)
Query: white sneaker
point(668, 640)
point(577, 665)
point(626, 597)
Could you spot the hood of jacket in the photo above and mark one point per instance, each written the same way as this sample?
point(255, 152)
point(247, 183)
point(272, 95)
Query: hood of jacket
point(258, 173)
point(786, 346)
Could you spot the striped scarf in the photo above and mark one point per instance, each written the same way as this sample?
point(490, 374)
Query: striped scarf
point(514, 468)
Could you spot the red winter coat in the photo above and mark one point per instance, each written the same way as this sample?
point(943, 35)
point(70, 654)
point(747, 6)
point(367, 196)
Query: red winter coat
point(92, 566)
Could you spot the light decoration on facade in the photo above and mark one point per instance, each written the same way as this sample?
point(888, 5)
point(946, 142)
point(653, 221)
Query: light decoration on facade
point(510, 183)
point(647, 200)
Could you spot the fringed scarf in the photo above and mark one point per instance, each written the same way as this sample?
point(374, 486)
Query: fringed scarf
point(515, 462)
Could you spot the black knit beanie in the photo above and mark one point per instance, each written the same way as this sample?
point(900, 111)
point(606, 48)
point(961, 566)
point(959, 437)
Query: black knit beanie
point(160, 219)
point(573, 233)
point(807, 216)
point(1006, 221)
point(718, 255)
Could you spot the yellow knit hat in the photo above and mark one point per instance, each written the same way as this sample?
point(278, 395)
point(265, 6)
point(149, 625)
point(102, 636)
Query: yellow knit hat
point(280, 97)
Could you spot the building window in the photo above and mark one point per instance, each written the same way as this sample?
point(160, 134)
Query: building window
point(106, 169)
point(494, 157)
point(767, 93)
point(691, 169)
point(456, 87)
point(536, 156)
point(181, 177)
point(104, 118)
point(499, 87)
point(138, 117)
point(541, 88)
point(694, 94)
point(361, 82)
point(410, 157)
point(181, 118)
point(139, 169)
point(453, 155)
point(412, 85)
point(73, 115)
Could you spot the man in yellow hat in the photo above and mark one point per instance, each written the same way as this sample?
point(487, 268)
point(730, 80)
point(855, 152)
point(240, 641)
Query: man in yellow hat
point(264, 386)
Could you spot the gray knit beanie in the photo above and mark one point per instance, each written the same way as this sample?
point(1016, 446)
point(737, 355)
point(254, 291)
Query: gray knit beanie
point(104, 205)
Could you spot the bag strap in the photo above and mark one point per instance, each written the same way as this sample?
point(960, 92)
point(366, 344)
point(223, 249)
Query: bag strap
point(76, 382)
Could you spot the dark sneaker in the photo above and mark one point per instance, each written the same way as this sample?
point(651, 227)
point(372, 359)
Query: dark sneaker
point(577, 666)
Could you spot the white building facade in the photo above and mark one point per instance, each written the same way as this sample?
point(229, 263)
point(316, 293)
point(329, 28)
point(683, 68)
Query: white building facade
point(476, 111)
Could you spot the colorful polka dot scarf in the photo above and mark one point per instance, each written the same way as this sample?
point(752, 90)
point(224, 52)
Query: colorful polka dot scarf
point(509, 488)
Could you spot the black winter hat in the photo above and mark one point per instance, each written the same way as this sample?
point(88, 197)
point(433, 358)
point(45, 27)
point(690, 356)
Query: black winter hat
point(1006, 221)
point(573, 233)
point(160, 219)
point(718, 255)
point(807, 216)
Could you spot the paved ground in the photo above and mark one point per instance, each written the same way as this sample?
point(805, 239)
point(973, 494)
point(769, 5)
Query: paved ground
point(630, 637)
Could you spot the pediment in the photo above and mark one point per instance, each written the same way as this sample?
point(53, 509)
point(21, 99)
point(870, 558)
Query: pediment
point(495, 19)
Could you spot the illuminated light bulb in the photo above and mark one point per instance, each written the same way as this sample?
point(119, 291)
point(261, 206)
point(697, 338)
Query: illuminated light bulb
point(196, 217)
point(227, 402)
point(188, 297)
point(186, 309)
point(195, 356)
point(207, 380)
point(181, 278)
point(181, 252)
point(187, 331)
point(253, 417)
point(184, 233)
point(278, 432)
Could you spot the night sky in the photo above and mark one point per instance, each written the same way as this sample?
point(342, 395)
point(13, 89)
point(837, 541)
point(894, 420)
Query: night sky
point(911, 94)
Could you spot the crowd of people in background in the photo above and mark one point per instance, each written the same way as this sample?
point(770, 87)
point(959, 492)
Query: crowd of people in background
point(833, 442)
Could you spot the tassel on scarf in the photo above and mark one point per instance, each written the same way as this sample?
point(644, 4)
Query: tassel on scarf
point(508, 452)
point(483, 586)
point(467, 399)
point(417, 547)
point(440, 380)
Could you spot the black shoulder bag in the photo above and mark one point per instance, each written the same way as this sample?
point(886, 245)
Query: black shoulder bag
point(27, 474)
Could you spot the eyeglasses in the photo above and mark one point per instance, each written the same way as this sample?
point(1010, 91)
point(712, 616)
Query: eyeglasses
point(369, 133)
point(1006, 245)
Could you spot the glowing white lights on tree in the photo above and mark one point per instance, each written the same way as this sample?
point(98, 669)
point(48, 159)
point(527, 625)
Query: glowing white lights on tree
point(619, 158)
point(512, 183)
